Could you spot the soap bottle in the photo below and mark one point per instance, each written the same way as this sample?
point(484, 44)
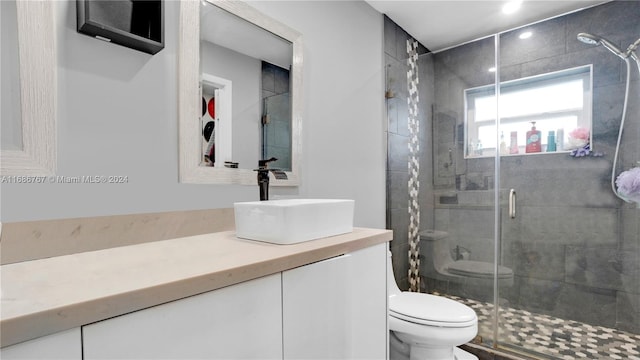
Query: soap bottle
point(551, 141)
point(560, 139)
point(533, 139)
point(503, 145)
point(513, 145)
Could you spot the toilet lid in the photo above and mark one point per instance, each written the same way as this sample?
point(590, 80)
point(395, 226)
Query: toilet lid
point(430, 310)
point(478, 269)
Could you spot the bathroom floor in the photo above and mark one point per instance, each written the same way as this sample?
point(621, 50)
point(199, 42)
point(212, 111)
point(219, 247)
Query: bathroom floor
point(553, 337)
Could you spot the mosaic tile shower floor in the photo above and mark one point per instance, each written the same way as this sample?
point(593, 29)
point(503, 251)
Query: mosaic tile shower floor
point(552, 337)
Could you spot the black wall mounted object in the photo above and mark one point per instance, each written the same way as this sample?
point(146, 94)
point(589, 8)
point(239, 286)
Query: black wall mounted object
point(137, 24)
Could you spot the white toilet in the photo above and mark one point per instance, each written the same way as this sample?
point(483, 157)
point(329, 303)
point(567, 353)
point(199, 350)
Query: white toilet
point(440, 265)
point(427, 327)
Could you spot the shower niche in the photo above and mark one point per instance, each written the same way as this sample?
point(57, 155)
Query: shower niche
point(541, 114)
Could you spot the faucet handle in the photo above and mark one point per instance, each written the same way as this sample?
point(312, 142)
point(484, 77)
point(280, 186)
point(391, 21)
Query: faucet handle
point(262, 164)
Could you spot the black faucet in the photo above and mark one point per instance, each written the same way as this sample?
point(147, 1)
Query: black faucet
point(263, 177)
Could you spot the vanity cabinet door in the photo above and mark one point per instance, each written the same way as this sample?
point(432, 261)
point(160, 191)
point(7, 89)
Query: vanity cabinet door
point(65, 345)
point(242, 321)
point(337, 308)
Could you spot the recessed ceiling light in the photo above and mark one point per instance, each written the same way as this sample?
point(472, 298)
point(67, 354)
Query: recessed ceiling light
point(492, 69)
point(525, 35)
point(511, 6)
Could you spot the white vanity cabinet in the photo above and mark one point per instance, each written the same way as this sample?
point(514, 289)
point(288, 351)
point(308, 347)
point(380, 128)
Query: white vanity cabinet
point(337, 308)
point(65, 345)
point(306, 301)
point(241, 321)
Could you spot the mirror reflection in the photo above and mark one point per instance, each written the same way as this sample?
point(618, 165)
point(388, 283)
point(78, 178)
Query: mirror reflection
point(246, 112)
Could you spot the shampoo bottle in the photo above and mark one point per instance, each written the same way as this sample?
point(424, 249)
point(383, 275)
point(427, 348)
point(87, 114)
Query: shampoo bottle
point(503, 145)
point(560, 139)
point(533, 140)
point(513, 145)
point(551, 141)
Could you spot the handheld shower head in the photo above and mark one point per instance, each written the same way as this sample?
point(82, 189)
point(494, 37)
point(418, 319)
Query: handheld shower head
point(588, 39)
point(598, 40)
point(631, 51)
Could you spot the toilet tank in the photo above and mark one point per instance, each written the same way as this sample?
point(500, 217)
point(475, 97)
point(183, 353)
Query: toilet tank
point(436, 251)
point(433, 235)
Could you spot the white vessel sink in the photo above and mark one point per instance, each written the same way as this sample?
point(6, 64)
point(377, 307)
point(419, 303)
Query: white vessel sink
point(292, 221)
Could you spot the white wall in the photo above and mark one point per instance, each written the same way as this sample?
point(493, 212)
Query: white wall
point(117, 115)
point(245, 73)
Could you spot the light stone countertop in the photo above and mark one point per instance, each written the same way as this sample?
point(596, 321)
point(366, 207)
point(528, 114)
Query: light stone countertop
point(41, 297)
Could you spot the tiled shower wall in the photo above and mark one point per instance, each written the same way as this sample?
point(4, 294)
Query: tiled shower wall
point(398, 136)
point(277, 133)
point(574, 247)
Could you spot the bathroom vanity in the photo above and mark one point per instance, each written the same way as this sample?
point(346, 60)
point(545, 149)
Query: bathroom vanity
point(204, 296)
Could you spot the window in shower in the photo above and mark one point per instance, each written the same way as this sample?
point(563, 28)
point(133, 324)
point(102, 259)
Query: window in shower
point(557, 102)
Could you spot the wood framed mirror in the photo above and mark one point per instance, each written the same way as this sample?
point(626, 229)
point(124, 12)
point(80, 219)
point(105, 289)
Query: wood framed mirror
point(247, 137)
point(29, 87)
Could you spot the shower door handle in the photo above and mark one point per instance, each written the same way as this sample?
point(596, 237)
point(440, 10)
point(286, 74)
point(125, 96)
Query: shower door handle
point(512, 203)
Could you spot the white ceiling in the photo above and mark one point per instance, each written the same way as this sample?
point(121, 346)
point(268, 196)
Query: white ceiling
point(440, 24)
point(222, 28)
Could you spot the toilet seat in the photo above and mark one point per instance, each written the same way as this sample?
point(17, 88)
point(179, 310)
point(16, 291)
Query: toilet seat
point(478, 269)
point(431, 310)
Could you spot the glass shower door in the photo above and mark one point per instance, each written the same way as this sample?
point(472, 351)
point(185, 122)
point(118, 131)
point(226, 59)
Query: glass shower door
point(459, 256)
point(574, 247)
point(276, 131)
point(521, 183)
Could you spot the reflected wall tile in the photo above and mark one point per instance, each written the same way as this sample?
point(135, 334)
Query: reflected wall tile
point(392, 115)
point(472, 223)
point(603, 267)
point(538, 295)
point(390, 29)
point(396, 77)
point(441, 220)
point(281, 80)
point(594, 226)
point(468, 63)
point(545, 261)
point(628, 312)
point(606, 69)
point(268, 79)
point(398, 152)
point(434, 285)
point(607, 113)
point(621, 18)
point(403, 117)
point(398, 189)
point(630, 145)
point(596, 306)
point(547, 40)
point(400, 245)
point(630, 232)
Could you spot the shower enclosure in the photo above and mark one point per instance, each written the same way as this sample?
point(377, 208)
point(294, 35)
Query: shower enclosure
point(546, 212)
